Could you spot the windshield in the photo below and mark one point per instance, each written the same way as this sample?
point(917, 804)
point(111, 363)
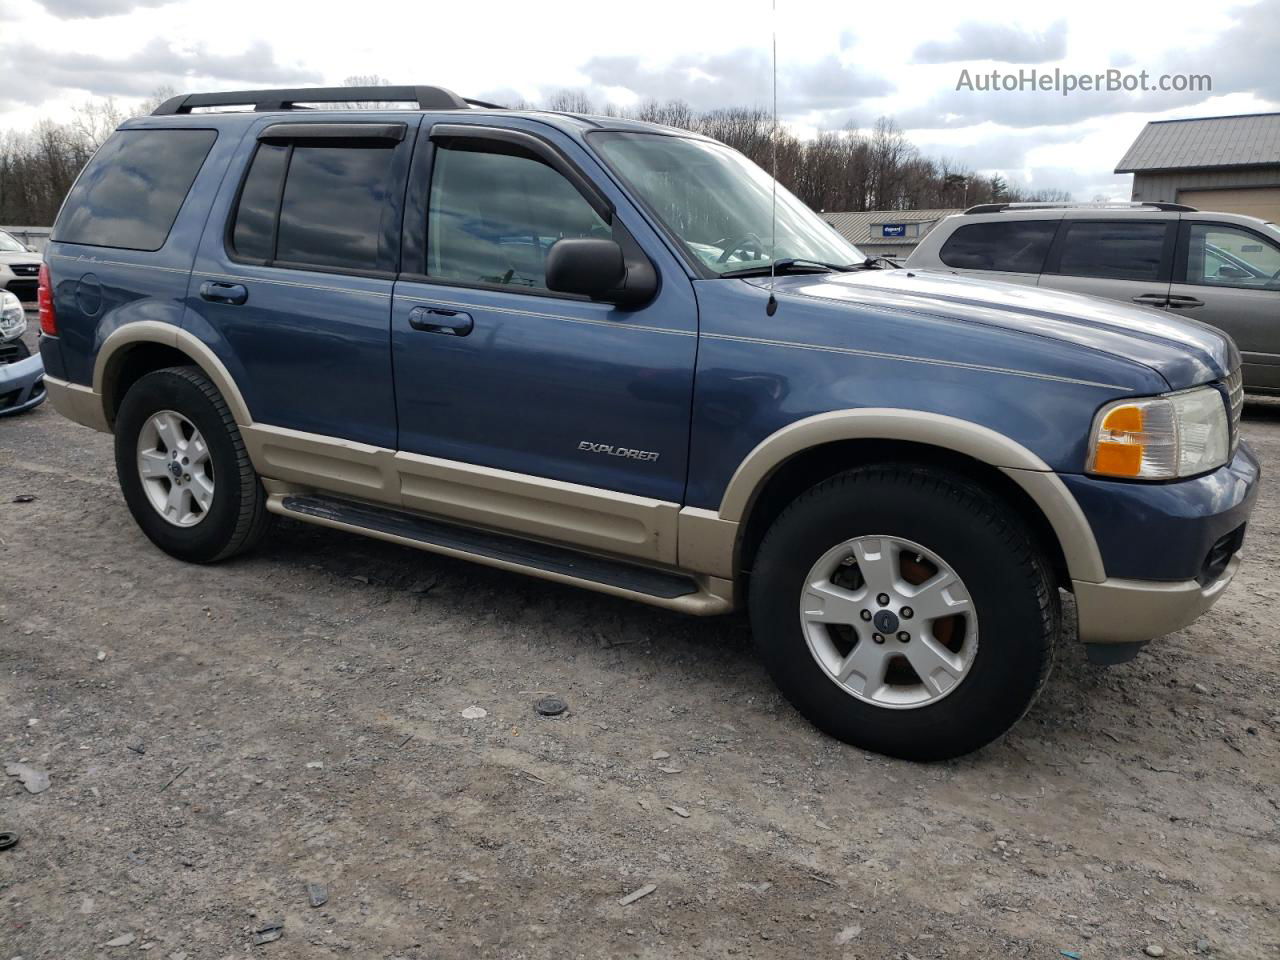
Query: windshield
point(719, 204)
point(10, 245)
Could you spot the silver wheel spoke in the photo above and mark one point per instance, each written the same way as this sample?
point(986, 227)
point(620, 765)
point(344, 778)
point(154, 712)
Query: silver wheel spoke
point(197, 451)
point(153, 464)
point(202, 490)
point(169, 430)
point(864, 668)
point(175, 503)
point(878, 562)
point(941, 596)
point(938, 668)
point(824, 602)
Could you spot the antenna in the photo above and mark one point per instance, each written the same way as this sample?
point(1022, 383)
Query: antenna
point(772, 306)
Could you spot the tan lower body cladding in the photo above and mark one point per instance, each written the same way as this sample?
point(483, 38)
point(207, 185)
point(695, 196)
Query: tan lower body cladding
point(598, 521)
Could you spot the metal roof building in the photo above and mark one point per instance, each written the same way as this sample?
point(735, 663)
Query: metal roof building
point(891, 233)
point(1214, 163)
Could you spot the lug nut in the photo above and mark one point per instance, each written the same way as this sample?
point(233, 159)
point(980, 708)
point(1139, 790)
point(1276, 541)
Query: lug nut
point(866, 614)
point(883, 599)
point(907, 613)
point(877, 638)
point(186, 478)
point(904, 636)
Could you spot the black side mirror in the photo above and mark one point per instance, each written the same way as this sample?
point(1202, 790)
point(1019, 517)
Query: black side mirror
point(597, 268)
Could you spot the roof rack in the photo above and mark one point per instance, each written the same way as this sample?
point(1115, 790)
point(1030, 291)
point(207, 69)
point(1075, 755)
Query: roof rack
point(1068, 205)
point(427, 98)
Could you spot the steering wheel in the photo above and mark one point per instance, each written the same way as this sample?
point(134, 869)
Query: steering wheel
point(742, 243)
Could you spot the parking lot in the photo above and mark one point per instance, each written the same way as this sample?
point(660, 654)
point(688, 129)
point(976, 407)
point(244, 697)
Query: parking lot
point(217, 738)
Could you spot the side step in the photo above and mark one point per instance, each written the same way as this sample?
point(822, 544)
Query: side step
point(661, 587)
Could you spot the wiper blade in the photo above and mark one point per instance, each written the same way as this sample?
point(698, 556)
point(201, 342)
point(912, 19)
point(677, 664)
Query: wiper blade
point(790, 265)
point(873, 263)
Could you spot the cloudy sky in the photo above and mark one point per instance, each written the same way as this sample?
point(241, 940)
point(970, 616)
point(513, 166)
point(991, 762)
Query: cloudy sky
point(838, 63)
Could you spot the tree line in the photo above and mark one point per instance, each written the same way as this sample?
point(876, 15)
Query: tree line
point(845, 170)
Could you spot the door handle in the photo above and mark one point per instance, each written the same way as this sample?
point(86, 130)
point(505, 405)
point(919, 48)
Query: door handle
point(233, 293)
point(451, 323)
point(1183, 303)
point(1153, 299)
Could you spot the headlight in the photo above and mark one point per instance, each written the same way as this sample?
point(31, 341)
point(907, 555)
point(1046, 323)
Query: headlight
point(13, 319)
point(1160, 438)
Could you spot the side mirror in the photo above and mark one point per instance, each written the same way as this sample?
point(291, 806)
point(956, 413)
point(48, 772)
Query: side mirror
point(598, 269)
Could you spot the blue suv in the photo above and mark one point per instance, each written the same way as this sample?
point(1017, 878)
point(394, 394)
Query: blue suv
point(611, 354)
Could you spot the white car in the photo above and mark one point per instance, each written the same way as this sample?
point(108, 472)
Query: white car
point(19, 268)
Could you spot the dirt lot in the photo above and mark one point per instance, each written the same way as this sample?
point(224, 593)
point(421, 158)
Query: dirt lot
point(217, 738)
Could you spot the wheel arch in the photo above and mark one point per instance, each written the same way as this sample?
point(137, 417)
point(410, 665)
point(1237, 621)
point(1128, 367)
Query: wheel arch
point(136, 349)
point(808, 451)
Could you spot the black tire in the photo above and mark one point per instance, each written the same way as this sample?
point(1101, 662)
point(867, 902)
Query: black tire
point(985, 544)
point(237, 518)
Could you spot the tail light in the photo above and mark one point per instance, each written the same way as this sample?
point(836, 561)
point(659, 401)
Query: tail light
point(44, 300)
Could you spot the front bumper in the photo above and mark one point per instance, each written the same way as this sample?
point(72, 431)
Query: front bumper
point(1169, 550)
point(21, 385)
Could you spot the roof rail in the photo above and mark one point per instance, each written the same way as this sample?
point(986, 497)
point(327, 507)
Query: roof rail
point(427, 98)
point(1068, 205)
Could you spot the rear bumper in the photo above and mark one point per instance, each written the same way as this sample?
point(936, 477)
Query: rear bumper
point(21, 385)
point(78, 403)
point(1134, 611)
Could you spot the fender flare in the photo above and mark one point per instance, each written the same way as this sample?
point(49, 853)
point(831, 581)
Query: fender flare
point(111, 353)
point(1028, 471)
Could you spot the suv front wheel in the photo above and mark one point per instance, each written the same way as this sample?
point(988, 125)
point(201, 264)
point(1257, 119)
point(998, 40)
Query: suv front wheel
point(906, 610)
point(184, 470)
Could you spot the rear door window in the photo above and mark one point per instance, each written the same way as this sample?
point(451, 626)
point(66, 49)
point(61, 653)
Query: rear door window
point(132, 190)
point(316, 204)
point(1223, 256)
point(1012, 246)
point(1113, 249)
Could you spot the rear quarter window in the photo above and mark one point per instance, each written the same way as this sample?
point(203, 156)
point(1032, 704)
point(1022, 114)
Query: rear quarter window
point(132, 190)
point(1013, 246)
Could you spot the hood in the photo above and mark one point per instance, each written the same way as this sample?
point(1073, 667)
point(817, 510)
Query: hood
point(17, 256)
point(1184, 352)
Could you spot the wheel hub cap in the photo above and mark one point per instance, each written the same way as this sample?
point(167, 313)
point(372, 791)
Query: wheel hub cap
point(889, 622)
point(175, 469)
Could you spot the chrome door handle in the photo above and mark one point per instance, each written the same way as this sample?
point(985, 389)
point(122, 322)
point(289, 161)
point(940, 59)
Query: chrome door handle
point(1182, 303)
point(451, 323)
point(233, 293)
point(1153, 299)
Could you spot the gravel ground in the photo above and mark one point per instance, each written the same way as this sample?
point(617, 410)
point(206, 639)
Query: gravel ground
point(219, 737)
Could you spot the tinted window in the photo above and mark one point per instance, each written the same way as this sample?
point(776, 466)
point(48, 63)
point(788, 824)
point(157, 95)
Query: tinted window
point(254, 233)
point(1221, 256)
point(334, 200)
point(1017, 246)
point(494, 216)
point(1115, 250)
point(131, 192)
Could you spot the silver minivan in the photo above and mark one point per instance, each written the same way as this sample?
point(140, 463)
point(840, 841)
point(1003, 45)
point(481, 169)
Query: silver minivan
point(1220, 268)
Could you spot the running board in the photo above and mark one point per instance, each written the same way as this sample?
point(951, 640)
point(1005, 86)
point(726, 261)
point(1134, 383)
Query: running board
point(662, 588)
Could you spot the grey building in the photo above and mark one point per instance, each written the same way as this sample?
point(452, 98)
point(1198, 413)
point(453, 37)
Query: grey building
point(886, 233)
point(1213, 163)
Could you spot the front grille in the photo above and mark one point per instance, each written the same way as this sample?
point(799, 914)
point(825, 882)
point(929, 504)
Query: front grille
point(25, 269)
point(23, 289)
point(13, 351)
point(1235, 404)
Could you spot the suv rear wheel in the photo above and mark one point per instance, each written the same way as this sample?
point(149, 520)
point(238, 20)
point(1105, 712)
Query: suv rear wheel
point(905, 610)
point(184, 470)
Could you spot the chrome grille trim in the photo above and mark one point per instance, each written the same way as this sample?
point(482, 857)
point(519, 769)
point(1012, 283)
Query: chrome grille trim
point(1235, 404)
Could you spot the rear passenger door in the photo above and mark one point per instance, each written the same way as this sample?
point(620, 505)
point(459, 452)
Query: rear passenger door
point(494, 370)
point(1119, 259)
point(293, 283)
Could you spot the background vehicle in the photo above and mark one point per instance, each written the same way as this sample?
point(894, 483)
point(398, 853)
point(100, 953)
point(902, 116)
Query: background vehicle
point(21, 373)
point(19, 267)
point(1219, 268)
point(560, 345)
